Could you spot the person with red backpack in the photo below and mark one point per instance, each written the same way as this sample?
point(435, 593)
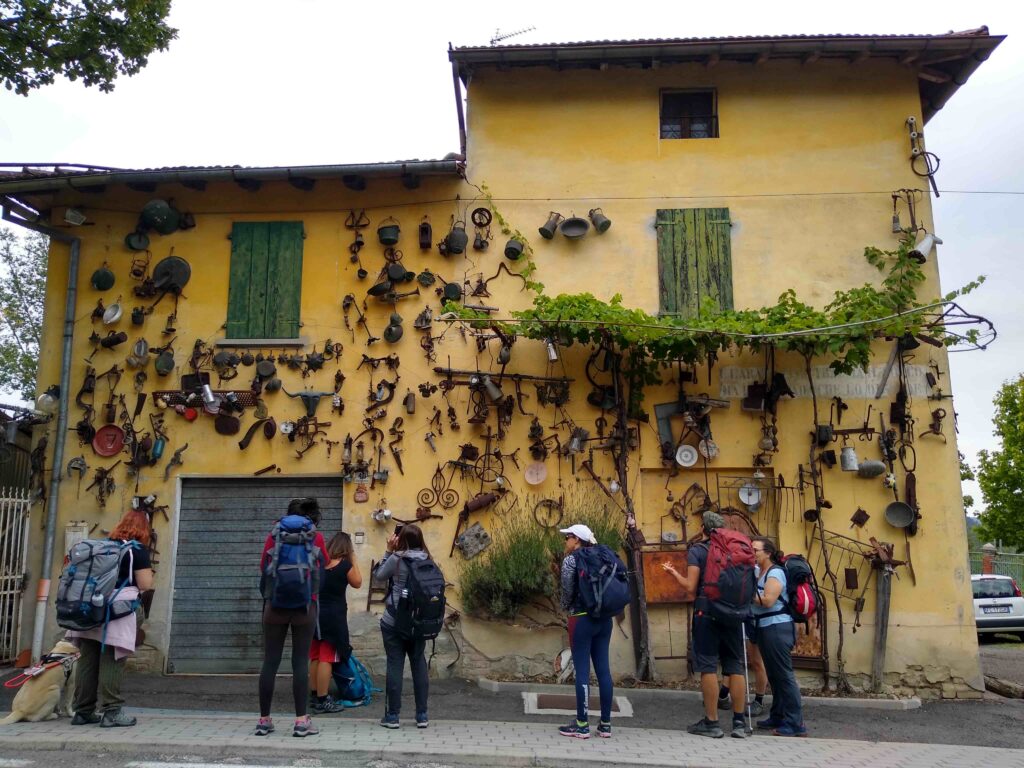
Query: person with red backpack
point(720, 580)
point(776, 636)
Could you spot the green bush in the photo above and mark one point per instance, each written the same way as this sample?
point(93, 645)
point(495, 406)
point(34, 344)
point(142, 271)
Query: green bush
point(521, 566)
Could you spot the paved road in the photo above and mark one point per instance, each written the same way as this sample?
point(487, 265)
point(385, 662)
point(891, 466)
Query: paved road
point(174, 741)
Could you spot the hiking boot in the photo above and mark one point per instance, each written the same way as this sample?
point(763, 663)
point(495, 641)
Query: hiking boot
point(421, 720)
point(327, 706)
point(705, 727)
point(390, 720)
point(86, 718)
point(116, 718)
point(576, 729)
point(604, 730)
point(789, 730)
point(756, 708)
point(264, 726)
point(739, 728)
point(304, 726)
point(769, 723)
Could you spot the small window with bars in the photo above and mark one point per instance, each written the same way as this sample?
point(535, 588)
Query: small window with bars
point(689, 115)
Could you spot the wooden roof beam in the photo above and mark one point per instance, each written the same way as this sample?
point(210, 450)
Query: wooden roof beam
point(762, 57)
point(933, 75)
point(860, 56)
point(810, 58)
point(909, 57)
point(712, 60)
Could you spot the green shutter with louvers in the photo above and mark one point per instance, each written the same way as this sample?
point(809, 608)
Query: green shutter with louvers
point(265, 280)
point(694, 260)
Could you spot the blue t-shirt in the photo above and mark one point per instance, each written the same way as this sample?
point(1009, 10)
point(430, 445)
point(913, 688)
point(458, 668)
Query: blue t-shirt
point(778, 573)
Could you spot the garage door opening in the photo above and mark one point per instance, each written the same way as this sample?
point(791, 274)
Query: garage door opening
point(216, 609)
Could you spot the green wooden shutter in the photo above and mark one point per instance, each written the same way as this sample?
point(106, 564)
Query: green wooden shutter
point(265, 283)
point(694, 260)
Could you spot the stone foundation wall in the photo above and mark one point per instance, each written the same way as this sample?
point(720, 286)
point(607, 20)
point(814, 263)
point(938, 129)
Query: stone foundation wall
point(928, 683)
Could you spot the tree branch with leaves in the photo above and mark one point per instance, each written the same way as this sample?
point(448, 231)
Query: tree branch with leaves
point(23, 263)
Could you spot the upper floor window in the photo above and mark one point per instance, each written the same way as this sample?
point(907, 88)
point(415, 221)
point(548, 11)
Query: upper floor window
point(689, 115)
point(265, 281)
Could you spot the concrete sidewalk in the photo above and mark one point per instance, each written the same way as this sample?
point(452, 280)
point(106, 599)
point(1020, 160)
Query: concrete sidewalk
point(483, 743)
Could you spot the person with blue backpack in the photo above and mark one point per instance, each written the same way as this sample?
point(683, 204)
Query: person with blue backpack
point(595, 589)
point(293, 558)
point(776, 636)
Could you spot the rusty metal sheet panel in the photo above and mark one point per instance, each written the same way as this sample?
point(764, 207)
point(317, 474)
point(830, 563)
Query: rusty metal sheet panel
point(661, 586)
point(215, 616)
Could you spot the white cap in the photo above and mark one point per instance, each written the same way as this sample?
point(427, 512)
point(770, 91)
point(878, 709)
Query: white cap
point(581, 532)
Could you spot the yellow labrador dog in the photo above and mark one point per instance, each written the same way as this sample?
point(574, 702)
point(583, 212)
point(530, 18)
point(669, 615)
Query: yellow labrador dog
point(40, 697)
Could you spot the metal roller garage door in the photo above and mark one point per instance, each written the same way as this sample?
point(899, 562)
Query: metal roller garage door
point(215, 616)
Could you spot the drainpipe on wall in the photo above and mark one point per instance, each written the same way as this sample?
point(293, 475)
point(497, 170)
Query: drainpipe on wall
point(17, 214)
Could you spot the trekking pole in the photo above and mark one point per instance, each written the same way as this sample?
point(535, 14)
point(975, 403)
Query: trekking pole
point(746, 678)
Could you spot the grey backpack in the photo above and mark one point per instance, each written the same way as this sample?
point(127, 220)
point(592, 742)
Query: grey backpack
point(87, 594)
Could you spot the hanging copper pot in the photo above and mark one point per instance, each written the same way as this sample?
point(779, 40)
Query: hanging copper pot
point(388, 234)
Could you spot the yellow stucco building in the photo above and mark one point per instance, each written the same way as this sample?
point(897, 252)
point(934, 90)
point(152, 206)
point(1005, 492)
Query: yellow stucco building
point(731, 169)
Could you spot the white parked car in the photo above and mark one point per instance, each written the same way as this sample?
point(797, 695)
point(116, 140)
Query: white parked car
point(998, 605)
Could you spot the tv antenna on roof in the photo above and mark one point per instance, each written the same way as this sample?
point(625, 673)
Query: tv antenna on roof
point(498, 36)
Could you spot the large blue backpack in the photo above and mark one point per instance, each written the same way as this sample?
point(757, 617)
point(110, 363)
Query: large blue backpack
point(603, 581)
point(355, 686)
point(292, 574)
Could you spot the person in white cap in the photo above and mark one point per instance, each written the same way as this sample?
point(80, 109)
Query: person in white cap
point(589, 639)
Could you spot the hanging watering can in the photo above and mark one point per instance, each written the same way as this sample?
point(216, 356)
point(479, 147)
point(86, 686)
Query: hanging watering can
point(574, 228)
point(600, 221)
point(388, 233)
point(102, 279)
point(513, 250)
point(848, 459)
point(550, 226)
point(457, 239)
point(159, 215)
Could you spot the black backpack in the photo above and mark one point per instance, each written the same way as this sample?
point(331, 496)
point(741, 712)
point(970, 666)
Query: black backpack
point(420, 611)
point(603, 582)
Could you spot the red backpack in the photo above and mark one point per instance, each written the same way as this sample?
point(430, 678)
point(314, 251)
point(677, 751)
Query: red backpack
point(728, 578)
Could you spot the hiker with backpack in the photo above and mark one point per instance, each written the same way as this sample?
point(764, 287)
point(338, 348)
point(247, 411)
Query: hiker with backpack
point(331, 646)
point(414, 613)
point(595, 589)
point(776, 636)
point(290, 570)
point(720, 580)
point(99, 601)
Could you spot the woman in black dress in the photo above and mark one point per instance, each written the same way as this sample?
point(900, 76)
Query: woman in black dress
point(333, 646)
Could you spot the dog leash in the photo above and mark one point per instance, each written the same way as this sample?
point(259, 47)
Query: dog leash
point(50, 662)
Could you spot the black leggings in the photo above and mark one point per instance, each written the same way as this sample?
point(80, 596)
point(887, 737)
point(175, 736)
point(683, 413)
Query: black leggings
point(274, 636)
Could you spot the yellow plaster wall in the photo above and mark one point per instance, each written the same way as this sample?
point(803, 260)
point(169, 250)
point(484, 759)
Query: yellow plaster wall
point(806, 162)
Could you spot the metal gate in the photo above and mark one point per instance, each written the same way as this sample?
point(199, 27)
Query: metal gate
point(14, 510)
point(216, 605)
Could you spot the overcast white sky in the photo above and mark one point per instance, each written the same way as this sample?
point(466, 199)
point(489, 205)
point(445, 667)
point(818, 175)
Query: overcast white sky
point(254, 82)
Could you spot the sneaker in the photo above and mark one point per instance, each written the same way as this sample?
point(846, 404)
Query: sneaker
point(725, 702)
point(604, 730)
point(756, 708)
point(304, 726)
point(86, 718)
point(739, 728)
point(327, 706)
point(421, 720)
point(264, 726)
point(115, 718)
point(705, 727)
point(576, 729)
point(789, 730)
point(390, 720)
point(768, 724)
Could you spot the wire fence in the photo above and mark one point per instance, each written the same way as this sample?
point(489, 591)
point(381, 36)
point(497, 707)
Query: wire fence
point(1004, 564)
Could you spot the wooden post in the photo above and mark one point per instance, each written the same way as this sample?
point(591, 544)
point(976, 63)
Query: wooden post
point(884, 577)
